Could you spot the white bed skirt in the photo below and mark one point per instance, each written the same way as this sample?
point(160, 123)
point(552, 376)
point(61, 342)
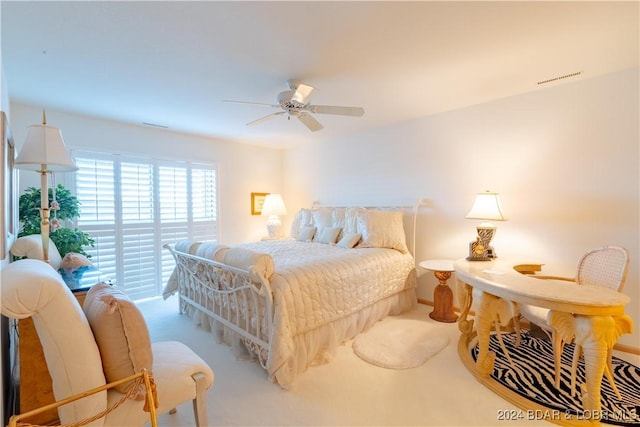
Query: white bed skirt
point(311, 347)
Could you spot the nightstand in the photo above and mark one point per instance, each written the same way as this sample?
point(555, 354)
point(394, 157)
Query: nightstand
point(442, 294)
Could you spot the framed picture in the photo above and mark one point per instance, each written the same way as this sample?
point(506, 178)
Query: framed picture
point(257, 200)
point(8, 214)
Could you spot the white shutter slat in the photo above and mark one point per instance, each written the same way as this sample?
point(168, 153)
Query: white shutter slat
point(120, 212)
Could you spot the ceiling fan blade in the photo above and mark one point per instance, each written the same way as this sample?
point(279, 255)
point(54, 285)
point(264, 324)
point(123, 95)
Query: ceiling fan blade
point(302, 93)
point(341, 111)
point(249, 102)
point(265, 118)
point(310, 121)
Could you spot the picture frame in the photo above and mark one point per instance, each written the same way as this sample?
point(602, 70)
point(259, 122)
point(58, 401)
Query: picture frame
point(8, 183)
point(257, 200)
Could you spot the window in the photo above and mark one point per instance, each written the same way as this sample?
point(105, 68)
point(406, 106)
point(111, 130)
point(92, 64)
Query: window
point(132, 206)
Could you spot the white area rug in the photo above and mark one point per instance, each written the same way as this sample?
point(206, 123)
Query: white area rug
point(398, 342)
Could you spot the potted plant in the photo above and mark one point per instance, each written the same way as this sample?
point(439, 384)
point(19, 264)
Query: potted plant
point(64, 207)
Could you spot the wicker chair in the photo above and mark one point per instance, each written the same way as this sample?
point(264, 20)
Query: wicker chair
point(606, 267)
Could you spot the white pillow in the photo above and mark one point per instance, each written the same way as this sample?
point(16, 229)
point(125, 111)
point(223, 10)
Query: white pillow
point(338, 217)
point(323, 217)
point(302, 218)
point(349, 240)
point(306, 233)
point(351, 220)
point(328, 235)
point(212, 251)
point(382, 229)
point(31, 247)
point(257, 262)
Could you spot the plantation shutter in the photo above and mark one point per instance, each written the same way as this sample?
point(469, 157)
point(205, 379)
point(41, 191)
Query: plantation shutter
point(132, 206)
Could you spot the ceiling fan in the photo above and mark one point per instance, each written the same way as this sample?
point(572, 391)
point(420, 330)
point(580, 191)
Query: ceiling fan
point(295, 102)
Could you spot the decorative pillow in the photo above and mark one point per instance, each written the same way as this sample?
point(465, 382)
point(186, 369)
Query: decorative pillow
point(120, 332)
point(212, 251)
point(338, 217)
point(382, 229)
point(31, 247)
point(302, 218)
point(72, 261)
point(306, 233)
point(257, 262)
point(328, 235)
point(350, 240)
point(323, 217)
point(187, 246)
point(351, 220)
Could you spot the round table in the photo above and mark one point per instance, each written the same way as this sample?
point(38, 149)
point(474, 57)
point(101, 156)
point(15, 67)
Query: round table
point(442, 294)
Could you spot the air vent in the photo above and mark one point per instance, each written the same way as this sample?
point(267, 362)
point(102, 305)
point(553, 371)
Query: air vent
point(566, 76)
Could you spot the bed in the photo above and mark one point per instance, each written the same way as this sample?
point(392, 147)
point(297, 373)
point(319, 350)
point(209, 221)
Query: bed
point(289, 303)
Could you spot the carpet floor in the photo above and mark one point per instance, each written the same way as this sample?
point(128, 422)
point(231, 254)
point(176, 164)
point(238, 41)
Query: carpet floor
point(347, 391)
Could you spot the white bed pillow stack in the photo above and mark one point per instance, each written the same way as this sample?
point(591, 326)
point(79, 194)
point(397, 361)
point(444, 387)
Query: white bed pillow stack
point(351, 227)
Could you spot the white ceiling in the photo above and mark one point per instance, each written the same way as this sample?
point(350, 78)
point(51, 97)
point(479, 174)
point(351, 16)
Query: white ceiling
point(172, 63)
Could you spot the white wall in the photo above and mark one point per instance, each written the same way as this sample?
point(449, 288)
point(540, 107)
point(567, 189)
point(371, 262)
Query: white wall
point(242, 168)
point(565, 160)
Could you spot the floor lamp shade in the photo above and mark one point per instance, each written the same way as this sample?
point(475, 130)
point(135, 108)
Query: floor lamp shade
point(44, 146)
point(44, 152)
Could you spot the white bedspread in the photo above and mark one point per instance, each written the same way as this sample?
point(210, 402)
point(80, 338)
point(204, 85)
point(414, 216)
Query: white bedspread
point(324, 295)
point(316, 284)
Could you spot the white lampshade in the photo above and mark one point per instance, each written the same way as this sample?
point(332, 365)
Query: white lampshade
point(44, 146)
point(273, 205)
point(486, 206)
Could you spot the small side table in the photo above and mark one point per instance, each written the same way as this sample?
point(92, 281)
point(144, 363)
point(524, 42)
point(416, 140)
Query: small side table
point(442, 294)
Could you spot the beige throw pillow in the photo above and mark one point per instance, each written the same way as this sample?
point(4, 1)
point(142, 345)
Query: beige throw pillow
point(121, 334)
point(349, 240)
point(381, 229)
point(73, 261)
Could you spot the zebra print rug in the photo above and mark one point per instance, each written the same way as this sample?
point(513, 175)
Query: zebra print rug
point(534, 379)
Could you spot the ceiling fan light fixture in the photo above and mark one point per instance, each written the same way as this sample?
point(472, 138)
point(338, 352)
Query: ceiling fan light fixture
point(295, 101)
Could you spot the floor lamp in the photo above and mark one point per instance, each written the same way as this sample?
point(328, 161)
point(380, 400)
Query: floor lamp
point(44, 152)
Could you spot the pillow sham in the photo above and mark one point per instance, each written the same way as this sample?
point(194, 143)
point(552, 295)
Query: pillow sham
point(323, 217)
point(302, 218)
point(328, 235)
point(381, 229)
point(121, 334)
point(349, 240)
point(306, 233)
point(351, 220)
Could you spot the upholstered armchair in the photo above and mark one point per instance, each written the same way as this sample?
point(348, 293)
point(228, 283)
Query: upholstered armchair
point(76, 354)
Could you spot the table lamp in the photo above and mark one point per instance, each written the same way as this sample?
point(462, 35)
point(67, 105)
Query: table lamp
point(44, 152)
point(272, 207)
point(486, 206)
